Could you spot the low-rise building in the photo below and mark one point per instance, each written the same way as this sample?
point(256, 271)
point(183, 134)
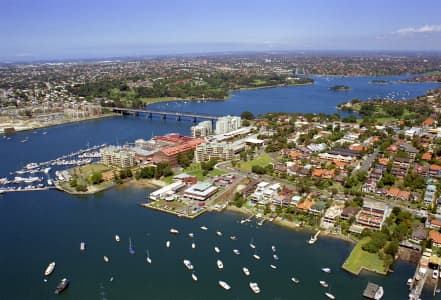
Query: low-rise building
point(166, 191)
point(373, 214)
point(200, 191)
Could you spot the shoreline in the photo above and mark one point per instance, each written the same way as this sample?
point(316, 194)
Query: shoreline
point(227, 97)
point(293, 226)
point(64, 122)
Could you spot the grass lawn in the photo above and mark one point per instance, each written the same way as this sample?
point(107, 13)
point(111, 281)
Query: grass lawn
point(87, 170)
point(147, 101)
point(261, 160)
point(195, 170)
point(360, 259)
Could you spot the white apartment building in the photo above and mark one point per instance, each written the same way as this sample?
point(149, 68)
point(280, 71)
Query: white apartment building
point(228, 124)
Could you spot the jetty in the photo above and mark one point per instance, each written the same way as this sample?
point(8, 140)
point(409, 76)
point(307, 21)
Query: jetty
point(314, 238)
point(420, 276)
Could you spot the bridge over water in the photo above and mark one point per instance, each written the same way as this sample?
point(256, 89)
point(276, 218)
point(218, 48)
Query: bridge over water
point(149, 113)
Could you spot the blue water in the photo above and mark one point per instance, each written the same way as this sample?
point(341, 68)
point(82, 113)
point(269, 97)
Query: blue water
point(40, 227)
point(313, 98)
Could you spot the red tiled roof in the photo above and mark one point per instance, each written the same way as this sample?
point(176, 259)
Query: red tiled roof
point(435, 236)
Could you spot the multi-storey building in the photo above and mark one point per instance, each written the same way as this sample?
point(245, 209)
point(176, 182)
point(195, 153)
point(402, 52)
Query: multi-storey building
point(202, 129)
point(228, 124)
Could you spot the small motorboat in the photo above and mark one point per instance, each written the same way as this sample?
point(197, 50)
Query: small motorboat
point(106, 259)
point(295, 280)
point(323, 283)
point(50, 268)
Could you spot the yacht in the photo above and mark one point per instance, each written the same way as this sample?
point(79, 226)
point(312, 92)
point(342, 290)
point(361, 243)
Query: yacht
point(295, 280)
point(409, 281)
point(256, 256)
point(236, 251)
point(323, 283)
point(224, 285)
point(106, 259)
point(252, 244)
point(273, 266)
point(329, 295)
point(148, 259)
point(167, 244)
point(326, 270)
point(275, 257)
point(219, 233)
point(193, 245)
point(246, 271)
point(254, 287)
point(204, 228)
point(188, 264)
point(195, 278)
point(191, 235)
point(131, 249)
point(64, 283)
point(174, 231)
point(233, 237)
point(82, 246)
point(216, 249)
point(50, 268)
point(117, 238)
point(273, 248)
point(220, 265)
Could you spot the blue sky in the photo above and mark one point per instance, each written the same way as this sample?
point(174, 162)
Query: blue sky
point(91, 28)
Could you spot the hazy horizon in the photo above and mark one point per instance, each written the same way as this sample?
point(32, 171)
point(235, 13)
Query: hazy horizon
point(57, 30)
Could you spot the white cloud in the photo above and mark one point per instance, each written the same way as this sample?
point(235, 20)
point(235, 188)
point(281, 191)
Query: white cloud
point(422, 29)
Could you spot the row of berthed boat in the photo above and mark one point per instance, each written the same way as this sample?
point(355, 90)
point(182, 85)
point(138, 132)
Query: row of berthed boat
point(254, 286)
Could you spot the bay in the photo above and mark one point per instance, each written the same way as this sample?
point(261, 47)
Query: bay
point(40, 227)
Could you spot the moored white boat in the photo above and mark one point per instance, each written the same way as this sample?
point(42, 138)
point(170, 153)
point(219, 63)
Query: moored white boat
point(254, 287)
point(295, 280)
point(224, 285)
point(188, 264)
point(219, 233)
point(106, 259)
point(191, 234)
point(233, 237)
point(273, 248)
point(148, 259)
point(246, 271)
point(329, 295)
point(236, 251)
point(275, 257)
point(216, 249)
point(323, 283)
point(326, 270)
point(193, 245)
point(204, 228)
point(256, 256)
point(219, 263)
point(195, 278)
point(167, 244)
point(174, 231)
point(117, 238)
point(50, 268)
point(82, 246)
point(273, 266)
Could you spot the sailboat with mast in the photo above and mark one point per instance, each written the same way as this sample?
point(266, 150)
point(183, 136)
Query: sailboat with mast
point(131, 249)
point(148, 259)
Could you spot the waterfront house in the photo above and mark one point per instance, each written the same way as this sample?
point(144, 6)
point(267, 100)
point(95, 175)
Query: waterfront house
point(349, 212)
point(373, 214)
point(435, 237)
point(419, 234)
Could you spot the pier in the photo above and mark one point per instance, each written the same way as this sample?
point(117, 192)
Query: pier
point(149, 113)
